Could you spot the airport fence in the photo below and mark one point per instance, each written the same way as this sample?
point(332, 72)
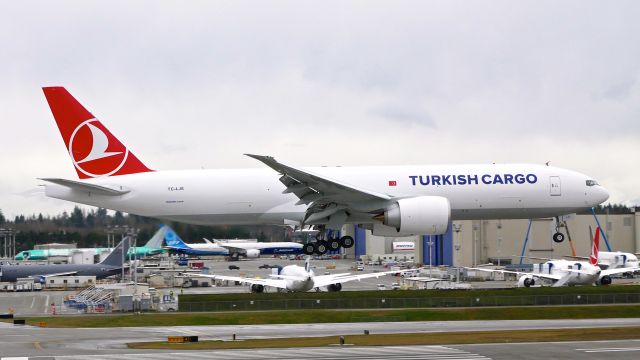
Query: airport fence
point(407, 303)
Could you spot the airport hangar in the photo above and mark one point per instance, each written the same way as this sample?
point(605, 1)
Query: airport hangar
point(475, 242)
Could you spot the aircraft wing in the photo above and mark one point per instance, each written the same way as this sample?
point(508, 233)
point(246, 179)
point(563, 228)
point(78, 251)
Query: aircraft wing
point(56, 274)
point(325, 280)
point(328, 196)
point(519, 273)
point(232, 249)
point(618, 271)
point(276, 283)
point(86, 187)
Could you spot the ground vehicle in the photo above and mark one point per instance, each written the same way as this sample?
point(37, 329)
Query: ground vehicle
point(234, 267)
point(395, 286)
point(381, 287)
point(360, 267)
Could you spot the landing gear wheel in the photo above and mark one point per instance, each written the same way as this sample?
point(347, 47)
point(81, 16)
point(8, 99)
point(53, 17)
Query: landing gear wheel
point(334, 244)
point(321, 248)
point(308, 249)
point(347, 242)
point(558, 237)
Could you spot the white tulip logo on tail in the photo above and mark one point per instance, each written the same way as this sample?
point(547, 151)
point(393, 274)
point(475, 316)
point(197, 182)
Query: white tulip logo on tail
point(93, 153)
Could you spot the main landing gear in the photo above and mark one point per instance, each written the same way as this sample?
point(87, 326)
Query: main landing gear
point(325, 241)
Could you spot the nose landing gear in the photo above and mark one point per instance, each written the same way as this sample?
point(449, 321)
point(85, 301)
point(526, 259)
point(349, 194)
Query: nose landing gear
point(558, 237)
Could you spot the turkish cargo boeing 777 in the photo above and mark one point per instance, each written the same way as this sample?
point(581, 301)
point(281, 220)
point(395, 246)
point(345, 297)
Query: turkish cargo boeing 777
point(389, 200)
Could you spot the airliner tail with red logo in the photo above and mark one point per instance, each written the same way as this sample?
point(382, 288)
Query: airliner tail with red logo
point(94, 151)
point(593, 258)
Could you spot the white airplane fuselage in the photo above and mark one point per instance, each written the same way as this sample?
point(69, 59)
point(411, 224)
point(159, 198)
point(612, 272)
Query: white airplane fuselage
point(617, 259)
point(255, 196)
point(300, 272)
point(589, 274)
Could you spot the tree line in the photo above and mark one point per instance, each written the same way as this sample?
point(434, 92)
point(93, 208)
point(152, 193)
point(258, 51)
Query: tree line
point(88, 228)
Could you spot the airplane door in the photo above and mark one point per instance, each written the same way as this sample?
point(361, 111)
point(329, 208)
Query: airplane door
point(554, 182)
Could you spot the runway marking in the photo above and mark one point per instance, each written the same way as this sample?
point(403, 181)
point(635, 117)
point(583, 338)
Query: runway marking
point(599, 350)
point(323, 353)
point(33, 301)
point(37, 345)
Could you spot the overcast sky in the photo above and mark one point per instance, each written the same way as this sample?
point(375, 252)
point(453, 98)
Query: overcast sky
point(191, 84)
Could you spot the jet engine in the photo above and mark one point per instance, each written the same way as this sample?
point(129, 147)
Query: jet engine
point(420, 215)
point(526, 281)
point(605, 280)
point(334, 287)
point(253, 253)
point(256, 288)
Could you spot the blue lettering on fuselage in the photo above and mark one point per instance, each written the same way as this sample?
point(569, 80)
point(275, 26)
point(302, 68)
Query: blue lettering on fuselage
point(475, 179)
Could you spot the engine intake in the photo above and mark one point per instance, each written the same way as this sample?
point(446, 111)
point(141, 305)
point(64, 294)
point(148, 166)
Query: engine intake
point(605, 280)
point(252, 253)
point(421, 215)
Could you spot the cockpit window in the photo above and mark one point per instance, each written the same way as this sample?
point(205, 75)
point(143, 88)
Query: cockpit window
point(592, 183)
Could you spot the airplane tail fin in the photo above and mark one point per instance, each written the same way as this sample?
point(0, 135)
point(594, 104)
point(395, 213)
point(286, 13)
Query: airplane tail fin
point(156, 240)
point(307, 263)
point(593, 258)
point(94, 150)
point(173, 240)
point(116, 257)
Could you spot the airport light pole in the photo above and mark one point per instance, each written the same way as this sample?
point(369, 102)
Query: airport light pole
point(430, 243)
point(9, 242)
point(457, 227)
point(474, 244)
point(499, 225)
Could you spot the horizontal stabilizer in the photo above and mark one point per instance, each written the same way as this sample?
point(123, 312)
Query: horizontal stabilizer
point(87, 187)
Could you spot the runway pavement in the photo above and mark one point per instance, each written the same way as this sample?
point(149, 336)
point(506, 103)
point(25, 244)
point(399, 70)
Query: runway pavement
point(591, 350)
point(32, 341)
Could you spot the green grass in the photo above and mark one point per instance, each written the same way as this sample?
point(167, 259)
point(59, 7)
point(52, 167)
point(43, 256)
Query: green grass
point(579, 295)
point(376, 294)
point(338, 316)
point(409, 339)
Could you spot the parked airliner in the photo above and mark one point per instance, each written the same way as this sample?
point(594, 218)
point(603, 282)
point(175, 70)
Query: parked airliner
point(232, 249)
point(567, 273)
point(389, 200)
point(296, 278)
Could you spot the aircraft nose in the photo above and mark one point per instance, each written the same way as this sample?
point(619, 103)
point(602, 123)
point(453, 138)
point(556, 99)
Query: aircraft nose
point(600, 194)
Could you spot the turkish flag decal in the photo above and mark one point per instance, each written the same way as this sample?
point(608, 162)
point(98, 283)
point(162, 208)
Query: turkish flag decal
point(393, 183)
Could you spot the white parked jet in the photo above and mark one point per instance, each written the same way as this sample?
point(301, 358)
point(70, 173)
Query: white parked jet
point(389, 200)
point(614, 260)
point(567, 273)
point(298, 279)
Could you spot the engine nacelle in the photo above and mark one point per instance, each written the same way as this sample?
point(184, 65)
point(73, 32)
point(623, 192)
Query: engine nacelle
point(252, 253)
point(526, 281)
point(605, 280)
point(420, 215)
point(334, 287)
point(256, 288)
